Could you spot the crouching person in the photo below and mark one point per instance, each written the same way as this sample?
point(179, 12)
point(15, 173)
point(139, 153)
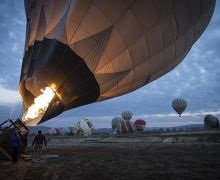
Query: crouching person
point(38, 142)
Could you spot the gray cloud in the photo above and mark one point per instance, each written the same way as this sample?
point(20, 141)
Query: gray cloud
point(12, 34)
point(9, 96)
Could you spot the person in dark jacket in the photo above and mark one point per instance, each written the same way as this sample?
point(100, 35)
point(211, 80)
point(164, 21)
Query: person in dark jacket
point(15, 144)
point(24, 143)
point(38, 141)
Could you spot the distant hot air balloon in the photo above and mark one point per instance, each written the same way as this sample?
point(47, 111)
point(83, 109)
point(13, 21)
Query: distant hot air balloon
point(53, 131)
point(140, 124)
point(81, 52)
point(84, 127)
point(179, 105)
point(66, 130)
point(126, 115)
point(211, 121)
point(116, 125)
point(127, 126)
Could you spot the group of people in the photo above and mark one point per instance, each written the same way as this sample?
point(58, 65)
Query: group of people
point(15, 144)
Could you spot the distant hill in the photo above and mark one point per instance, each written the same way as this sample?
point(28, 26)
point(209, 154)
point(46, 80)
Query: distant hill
point(177, 128)
point(44, 129)
point(190, 126)
point(103, 130)
point(62, 130)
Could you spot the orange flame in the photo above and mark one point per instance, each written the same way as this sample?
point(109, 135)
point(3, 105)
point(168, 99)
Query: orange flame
point(39, 107)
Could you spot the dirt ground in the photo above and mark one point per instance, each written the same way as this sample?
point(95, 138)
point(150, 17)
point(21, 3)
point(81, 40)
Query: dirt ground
point(120, 161)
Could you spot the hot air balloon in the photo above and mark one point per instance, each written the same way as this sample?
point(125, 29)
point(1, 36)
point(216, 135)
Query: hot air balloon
point(116, 125)
point(88, 51)
point(126, 115)
point(66, 131)
point(53, 131)
point(84, 127)
point(211, 121)
point(179, 105)
point(140, 124)
point(127, 126)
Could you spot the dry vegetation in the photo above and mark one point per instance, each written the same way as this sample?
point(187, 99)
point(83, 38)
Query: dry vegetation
point(120, 161)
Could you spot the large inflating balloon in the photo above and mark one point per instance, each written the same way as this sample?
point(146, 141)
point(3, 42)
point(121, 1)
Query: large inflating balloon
point(179, 105)
point(89, 51)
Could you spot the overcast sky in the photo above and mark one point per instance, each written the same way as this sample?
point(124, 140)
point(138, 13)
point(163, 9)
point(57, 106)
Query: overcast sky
point(196, 79)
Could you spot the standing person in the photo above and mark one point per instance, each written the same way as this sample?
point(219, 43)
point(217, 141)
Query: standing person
point(15, 144)
point(24, 140)
point(38, 141)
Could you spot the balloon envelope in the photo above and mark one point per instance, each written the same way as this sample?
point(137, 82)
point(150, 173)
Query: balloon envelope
point(84, 127)
point(211, 121)
point(179, 105)
point(127, 126)
point(53, 131)
point(140, 124)
point(89, 51)
point(116, 125)
point(126, 115)
point(66, 130)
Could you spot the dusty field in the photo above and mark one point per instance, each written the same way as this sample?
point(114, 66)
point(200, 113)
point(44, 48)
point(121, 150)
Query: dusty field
point(120, 161)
